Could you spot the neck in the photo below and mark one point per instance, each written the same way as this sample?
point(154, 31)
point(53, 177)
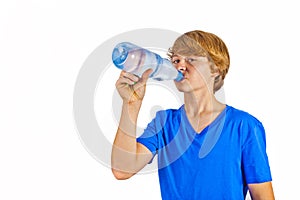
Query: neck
point(199, 103)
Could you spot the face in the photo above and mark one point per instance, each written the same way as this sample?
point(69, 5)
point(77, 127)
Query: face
point(197, 73)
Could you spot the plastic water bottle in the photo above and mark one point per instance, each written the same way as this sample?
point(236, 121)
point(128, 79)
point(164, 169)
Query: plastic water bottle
point(136, 60)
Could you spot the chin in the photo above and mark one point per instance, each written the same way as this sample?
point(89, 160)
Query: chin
point(183, 88)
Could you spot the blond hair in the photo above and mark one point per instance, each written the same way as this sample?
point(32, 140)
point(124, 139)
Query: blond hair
point(200, 43)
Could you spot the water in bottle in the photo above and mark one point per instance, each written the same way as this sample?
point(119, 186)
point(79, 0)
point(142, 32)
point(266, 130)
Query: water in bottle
point(137, 60)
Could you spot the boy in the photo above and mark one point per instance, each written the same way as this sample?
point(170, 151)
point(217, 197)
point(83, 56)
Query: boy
point(205, 149)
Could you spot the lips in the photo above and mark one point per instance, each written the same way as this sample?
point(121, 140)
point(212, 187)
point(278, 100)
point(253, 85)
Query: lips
point(184, 78)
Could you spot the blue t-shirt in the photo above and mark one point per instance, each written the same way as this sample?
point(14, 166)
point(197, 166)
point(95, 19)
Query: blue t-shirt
point(215, 164)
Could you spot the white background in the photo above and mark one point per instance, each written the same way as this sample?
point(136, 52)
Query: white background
point(43, 44)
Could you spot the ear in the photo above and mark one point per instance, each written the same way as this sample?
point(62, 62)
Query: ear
point(215, 74)
point(217, 78)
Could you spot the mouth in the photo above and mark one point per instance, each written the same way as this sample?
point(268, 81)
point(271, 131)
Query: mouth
point(183, 79)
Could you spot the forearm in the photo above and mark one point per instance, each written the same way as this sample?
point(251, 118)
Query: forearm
point(261, 191)
point(124, 152)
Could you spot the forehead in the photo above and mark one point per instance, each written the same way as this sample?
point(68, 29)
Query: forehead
point(187, 46)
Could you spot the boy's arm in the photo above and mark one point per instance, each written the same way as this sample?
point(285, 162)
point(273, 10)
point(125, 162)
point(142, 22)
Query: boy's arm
point(261, 191)
point(128, 156)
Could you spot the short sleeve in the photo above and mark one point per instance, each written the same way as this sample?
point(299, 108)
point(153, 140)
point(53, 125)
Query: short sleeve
point(254, 156)
point(150, 136)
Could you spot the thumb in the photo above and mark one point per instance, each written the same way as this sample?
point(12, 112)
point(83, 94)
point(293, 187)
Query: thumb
point(146, 75)
point(143, 79)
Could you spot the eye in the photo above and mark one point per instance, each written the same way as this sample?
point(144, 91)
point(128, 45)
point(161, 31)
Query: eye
point(191, 60)
point(175, 61)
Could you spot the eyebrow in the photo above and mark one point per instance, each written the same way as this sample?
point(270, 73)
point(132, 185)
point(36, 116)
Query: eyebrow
point(175, 55)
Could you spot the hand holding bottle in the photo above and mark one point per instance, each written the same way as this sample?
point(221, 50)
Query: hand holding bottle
point(131, 88)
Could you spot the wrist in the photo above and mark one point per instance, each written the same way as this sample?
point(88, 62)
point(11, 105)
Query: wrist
point(133, 104)
point(129, 115)
point(132, 108)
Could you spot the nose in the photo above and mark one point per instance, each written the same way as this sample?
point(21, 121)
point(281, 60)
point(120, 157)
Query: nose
point(182, 66)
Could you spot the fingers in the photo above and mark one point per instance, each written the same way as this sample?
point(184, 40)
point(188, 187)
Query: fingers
point(143, 79)
point(128, 78)
point(131, 79)
point(132, 88)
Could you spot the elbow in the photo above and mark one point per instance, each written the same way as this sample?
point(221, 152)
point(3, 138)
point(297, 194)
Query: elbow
point(120, 175)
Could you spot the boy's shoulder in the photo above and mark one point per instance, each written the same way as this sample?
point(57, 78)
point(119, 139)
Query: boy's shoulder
point(237, 114)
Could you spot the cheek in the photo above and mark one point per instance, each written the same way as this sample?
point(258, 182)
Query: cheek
point(201, 78)
point(197, 73)
point(204, 72)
